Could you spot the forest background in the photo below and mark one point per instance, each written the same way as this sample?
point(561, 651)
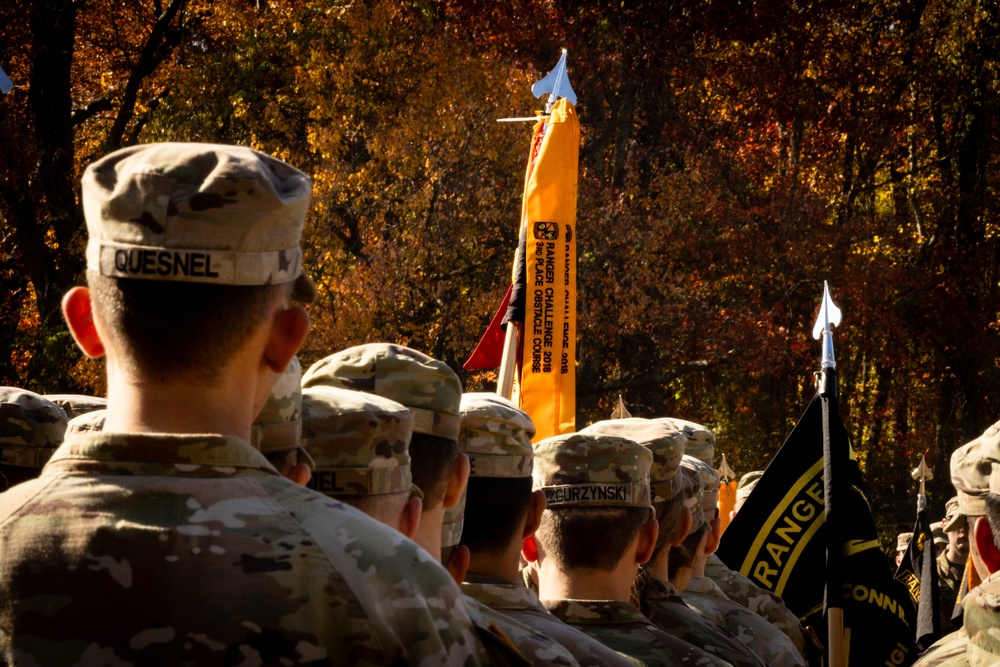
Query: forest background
point(735, 154)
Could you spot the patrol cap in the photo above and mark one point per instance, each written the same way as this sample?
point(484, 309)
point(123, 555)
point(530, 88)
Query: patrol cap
point(31, 428)
point(428, 387)
point(278, 427)
point(903, 541)
point(707, 480)
point(701, 441)
point(579, 469)
point(665, 443)
point(202, 213)
point(953, 517)
point(75, 405)
point(938, 532)
point(970, 472)
point(694, 486)
point(496, 435)
point(989, 443)
point(453, 523)
point(746, 485)
point(359, 442)
point(87, 422)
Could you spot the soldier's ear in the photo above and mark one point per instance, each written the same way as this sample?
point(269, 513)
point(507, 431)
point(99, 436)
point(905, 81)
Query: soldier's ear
point(529, 549)
point(289, 327)
point(988, 552)
point(79, 315)
point(646, 541)
point(683, 528)
point(458, 565)
point(533, 519)
point(457, 481)
point(409, 518)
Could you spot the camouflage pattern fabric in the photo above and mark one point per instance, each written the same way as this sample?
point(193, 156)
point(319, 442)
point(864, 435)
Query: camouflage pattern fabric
point(745, 486)
point(937, 529)
point(667, 446)
point(903, 541)
point(949, 575)
point(539, 649)
point(202, 213)
point(496, 435)
point(453, 523)
point(595, 470)
point(75, 405)
point(521, 604)
point(198, 552)
point(88, 421)
point(663, 605)
point(708, 479)
point(953, 517)
point(982, 622)
point(359, 442)
point(763, 638)
point(621, 627)
point(949, 651)
point(762, 602)
point(970, 473)
point(278, 425)
point(700, 440)
point(430, 389)
point(31, 427)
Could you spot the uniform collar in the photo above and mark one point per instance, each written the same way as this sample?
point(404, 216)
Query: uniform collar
point(498, 593)
point(704, 586)
point(596, 612)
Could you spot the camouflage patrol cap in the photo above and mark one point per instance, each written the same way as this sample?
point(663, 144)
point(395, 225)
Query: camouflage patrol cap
point(694, 487)
point(496, 435)
point(31, 428)
point(598, 470)
point(953, 517)
point(665, 443)
point(75, 405)
point(970, 472)
point(278, 426)
point(707, 482)
point(453, 523)
point(87, 422)
point(360, 442)
point(938, 532)
point(701, 441)
point(903, 541)
point(430, 389)
point(989, 443)
point(746, 485)
point(202, 213)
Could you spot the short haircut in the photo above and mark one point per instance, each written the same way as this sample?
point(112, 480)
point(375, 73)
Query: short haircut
point(169, 329)
point(669, 514)
point(494, 511)
point(383, 507)
point(993, 516)
point(432, 459)
point(592, 537)
point(684, 555)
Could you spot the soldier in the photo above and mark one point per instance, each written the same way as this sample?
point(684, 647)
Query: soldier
point(31, 428)
point(657, 597)
point(952, 562)
point(971, 471)
point(902, 544)
point(737, 587)
point(597, 530)
point(454, 556)
point(359, 444)
point(277, 428)
point(77, 404)
point(940, 539)
point(433, 394)
point(500, 511)
point(687, 573)
point(196, 549)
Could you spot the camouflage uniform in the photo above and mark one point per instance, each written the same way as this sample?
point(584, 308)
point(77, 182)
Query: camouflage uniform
point(192, 547)
point(309, 578)
point(982, 619)
point(658, 600)
point(745, 486)
point(950, 650)
point(581, 470)
point(764, 603)
point(88, 421)
point(705, 597)
point(77, 404)
point(277, 428)
point(31, 428)
point(970, 475)
point(521, 604)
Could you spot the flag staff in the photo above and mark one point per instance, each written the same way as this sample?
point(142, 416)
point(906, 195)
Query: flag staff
point(556, 84)
point(833, 463)
point(922, 473)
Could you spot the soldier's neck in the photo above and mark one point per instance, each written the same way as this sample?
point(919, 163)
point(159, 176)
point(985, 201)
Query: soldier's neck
point(227, 405)
point(502, 564)
point(586, 583)
point(657, 567)
point(429, 531)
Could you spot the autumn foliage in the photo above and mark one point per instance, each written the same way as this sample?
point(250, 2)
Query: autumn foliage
point(734, 156)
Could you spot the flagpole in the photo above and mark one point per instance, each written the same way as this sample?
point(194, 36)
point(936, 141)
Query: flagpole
point(833, 463)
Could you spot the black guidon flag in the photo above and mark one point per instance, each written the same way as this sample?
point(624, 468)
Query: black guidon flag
point(778, 540)
point(918, 572)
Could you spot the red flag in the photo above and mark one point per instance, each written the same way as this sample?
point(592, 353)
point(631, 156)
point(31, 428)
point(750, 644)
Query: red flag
point(489, 349)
